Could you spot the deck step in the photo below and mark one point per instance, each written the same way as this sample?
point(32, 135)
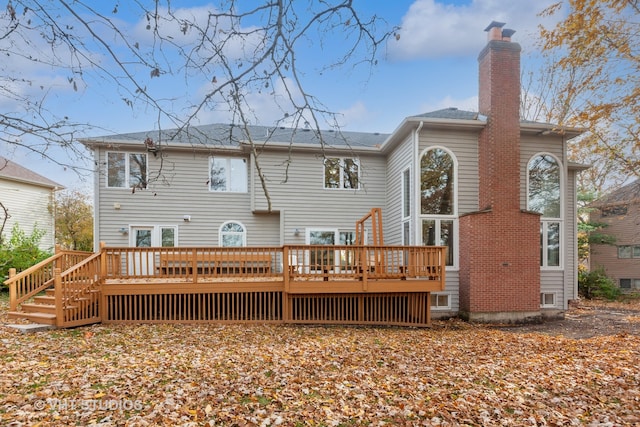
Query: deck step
point(45, 300)
point(43, 318)
point(39, 308)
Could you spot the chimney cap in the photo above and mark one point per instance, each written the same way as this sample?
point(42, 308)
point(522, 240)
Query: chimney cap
point(507, 33)
point(495, 24)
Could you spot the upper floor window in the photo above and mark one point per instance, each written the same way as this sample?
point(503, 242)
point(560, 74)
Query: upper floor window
point(233, 234)
point(438, 202)
point(437, 183)
point(228, 174)
point(544, 186)
point(544, 196)
point(629, 251)
point(126, 170)
point(341, 173)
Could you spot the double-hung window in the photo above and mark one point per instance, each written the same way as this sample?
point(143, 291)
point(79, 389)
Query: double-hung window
point(228, 174)
point(126, 170)
point(342, 173)
point(438, 200)
point(544, 197)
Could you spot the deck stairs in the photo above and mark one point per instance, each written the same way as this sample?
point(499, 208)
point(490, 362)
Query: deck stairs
point(41, 310)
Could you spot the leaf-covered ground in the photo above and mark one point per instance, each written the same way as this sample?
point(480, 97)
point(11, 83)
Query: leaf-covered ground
point(452, 374)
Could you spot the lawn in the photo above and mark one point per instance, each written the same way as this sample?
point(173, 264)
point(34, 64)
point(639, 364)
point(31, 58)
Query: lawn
point(452, 374)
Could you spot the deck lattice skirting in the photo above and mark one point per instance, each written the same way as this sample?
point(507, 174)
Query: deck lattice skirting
point(376, 285)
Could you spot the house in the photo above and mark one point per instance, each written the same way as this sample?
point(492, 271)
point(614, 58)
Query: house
point(620, 211)
point(27, 197)
point(498, 192)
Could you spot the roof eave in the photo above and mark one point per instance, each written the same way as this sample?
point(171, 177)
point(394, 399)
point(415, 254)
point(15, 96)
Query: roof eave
point(547, 129)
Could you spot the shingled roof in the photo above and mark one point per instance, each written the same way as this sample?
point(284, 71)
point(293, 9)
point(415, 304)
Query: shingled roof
point(226, 135)
point(14, 172)
point(629, 193)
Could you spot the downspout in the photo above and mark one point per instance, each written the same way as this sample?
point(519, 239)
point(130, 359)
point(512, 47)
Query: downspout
point(416, 180)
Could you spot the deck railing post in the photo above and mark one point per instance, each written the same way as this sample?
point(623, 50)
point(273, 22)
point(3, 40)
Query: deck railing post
point(103, 261)
point(286, 275)
point(194, 265)
point(57, 282)
point(13, 291)
point(364, 266)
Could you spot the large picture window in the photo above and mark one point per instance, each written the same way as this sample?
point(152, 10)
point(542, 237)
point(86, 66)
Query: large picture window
point(228, 174)
point(342, 173)
point(126, 170)
point(544, 196)
point(438, 201)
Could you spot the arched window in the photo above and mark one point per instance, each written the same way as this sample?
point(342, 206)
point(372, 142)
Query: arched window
point(233, 234)
point(544, 186)
point(437, 182)
point(438, 200)
point(544, 195)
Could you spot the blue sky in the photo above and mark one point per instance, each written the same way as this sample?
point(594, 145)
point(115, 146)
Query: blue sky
point(433, 65)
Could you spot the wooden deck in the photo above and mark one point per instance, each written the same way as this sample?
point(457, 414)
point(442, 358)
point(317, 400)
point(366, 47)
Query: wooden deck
point(381, 285)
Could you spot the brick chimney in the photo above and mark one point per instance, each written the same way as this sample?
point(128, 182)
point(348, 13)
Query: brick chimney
point(500, 243)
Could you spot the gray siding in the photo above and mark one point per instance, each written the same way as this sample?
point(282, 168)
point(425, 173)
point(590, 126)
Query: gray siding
point(299, 191)
point(571, 237)
point(397, 163)
point(179, 189)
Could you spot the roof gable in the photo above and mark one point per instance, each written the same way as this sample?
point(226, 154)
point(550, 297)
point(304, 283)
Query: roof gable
point(14, 172)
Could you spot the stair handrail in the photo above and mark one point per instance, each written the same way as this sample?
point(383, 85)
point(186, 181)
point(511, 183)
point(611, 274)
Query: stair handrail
point(41, 275)
point(65, 298)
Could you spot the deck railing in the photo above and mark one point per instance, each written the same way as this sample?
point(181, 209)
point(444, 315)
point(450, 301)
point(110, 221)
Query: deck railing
point(191, 263)
point(292, 283)
point(28, 283)
point(291, 262)
point(77, 293)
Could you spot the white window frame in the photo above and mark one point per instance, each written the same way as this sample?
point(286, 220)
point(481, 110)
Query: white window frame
point(229, 174)
point(440, 307)
point(341, 183)
point(545, 221)
point(439, 218)
point(221, 233)
point(544, 304)
point(405, 205)
point(156, 234)
point(127, 169)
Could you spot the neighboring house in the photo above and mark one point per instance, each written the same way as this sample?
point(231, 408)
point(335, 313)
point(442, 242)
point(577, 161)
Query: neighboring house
point(27, 196)
point(620, 211)
point(498, 192)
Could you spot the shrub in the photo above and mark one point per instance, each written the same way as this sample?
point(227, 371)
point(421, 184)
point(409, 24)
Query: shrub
point(596, 284)
point(20, 251)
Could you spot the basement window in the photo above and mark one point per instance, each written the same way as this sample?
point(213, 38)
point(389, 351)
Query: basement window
point(547, 299)
point(440, 301)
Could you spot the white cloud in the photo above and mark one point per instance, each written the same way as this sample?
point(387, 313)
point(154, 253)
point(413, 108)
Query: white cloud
point(432, 29)
point(467, 104)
